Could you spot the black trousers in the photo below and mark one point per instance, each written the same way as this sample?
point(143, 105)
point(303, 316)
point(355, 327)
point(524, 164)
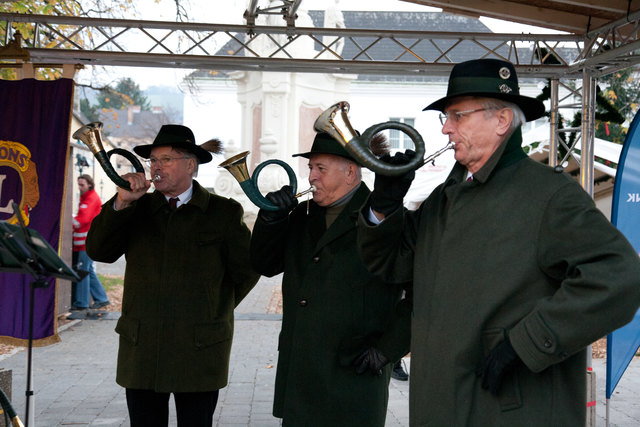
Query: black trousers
point(150, 409)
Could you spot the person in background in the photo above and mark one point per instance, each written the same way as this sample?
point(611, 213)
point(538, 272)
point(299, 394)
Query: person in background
point(90, 285)
point(187, 268)
point(514, 269)
point(337, 344)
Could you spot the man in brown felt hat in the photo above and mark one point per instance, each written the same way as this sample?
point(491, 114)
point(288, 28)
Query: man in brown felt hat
point(339, 328)
point(187, 269)
point(514, 270)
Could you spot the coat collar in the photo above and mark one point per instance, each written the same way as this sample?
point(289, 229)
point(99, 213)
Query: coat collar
point(199, 198)
point(509, 152)
point(346, 220)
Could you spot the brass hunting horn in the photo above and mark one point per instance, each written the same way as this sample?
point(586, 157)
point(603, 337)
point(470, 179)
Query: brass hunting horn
point(90, 134)
point(237, 166)
point(335, 122)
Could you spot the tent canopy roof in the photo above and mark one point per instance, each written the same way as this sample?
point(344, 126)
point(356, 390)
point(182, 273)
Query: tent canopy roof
point(572, 16)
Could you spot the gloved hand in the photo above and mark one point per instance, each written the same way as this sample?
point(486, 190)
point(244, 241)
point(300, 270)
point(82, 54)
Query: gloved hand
point(389, 191)
point(498, 364)
point(371, 359)
point(284, 199)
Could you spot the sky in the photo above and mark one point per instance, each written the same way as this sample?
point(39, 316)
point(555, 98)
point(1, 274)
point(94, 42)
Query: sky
point(202, 11)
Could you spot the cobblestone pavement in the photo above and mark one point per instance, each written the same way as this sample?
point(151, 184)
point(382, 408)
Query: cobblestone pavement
point(74, 380)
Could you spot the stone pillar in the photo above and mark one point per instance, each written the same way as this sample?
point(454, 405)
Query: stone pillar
point(272, 177)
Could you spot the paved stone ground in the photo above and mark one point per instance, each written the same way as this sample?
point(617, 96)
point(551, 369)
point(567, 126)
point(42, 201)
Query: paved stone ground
point(74, 380)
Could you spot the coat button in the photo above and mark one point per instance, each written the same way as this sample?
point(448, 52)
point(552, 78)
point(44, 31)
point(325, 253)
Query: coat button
point(316, 259)
point(303, 303)
point(198, 344)
point(548, 343)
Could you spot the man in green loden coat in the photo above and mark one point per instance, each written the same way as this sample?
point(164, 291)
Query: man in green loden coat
point(337, 336)
point(515, 271)
point(187, 254)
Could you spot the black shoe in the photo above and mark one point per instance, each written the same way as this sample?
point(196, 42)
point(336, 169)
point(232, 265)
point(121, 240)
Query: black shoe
point(96, 305)
point(398, 372)
point(76, 308)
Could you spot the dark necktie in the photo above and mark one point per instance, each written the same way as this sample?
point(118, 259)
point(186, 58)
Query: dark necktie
point(173, 203)
point(470, 178)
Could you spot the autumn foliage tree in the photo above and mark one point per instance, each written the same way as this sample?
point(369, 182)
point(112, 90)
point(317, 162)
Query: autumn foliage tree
point(622, 91)
point(119, 9)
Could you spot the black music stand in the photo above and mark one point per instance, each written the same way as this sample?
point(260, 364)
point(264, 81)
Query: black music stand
point(24, 250)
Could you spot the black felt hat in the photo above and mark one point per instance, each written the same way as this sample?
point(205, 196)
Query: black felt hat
point(491, 78)
point(323, 143)
point(177, 136)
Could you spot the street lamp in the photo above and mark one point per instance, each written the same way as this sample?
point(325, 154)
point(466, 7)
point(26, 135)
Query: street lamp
point(81, 162)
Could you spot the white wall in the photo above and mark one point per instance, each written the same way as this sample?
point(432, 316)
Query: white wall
point(213, 112)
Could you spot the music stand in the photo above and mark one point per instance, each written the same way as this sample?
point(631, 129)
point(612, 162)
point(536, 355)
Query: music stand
point(24, 250)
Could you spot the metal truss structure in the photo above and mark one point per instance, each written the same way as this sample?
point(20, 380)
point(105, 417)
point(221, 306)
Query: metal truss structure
point(91, 41)
point(112, 42)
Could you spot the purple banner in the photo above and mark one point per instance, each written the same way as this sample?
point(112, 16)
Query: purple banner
point(34, 135)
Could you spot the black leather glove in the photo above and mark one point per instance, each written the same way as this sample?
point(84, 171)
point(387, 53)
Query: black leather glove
point(283, 199)
point(500, 361)
point(389, 191)
point(371, 359)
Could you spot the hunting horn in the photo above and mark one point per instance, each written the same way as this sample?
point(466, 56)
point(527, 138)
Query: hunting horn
point(237, 166)
point(90, 134)
point(334, 121)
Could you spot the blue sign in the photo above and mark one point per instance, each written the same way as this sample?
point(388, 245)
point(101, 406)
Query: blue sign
point(623, 343)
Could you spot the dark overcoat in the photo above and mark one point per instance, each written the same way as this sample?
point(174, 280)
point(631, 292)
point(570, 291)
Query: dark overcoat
point(521, 250)
point(186, 271)
point(332, 309)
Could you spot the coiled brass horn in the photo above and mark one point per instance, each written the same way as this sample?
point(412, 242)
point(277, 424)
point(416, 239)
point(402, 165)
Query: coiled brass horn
point(237, 166)
point(90, 134)
point(334, 121)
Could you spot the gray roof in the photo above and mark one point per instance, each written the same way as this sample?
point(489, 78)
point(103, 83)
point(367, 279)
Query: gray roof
point(386, 49)
point(143, 127)
point(407, 21)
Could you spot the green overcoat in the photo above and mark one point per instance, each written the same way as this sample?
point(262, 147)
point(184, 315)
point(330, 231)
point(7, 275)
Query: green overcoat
point(332, 309)
point(186, 271)
point(520, 250)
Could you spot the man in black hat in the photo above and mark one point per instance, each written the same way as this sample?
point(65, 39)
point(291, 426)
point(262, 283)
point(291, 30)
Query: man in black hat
point(514, 270)
point(337, 336)
point(187, 254)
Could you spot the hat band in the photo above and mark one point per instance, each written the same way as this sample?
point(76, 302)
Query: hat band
point(481, 85)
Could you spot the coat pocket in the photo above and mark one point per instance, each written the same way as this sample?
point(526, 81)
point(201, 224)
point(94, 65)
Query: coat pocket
point(509, 395)
point(207, 239)
point(128, 328)
point(207, 334)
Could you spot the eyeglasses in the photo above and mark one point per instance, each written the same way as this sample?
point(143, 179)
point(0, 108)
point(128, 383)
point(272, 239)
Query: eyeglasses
point(456, 116)
point(162, 161)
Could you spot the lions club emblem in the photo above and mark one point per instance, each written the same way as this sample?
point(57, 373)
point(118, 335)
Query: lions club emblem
point(18, 181)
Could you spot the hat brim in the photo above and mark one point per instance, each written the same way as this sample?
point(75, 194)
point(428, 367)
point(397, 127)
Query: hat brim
point(531, 107)
point(324, 143)
point(203, 155)
point(308, 154)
